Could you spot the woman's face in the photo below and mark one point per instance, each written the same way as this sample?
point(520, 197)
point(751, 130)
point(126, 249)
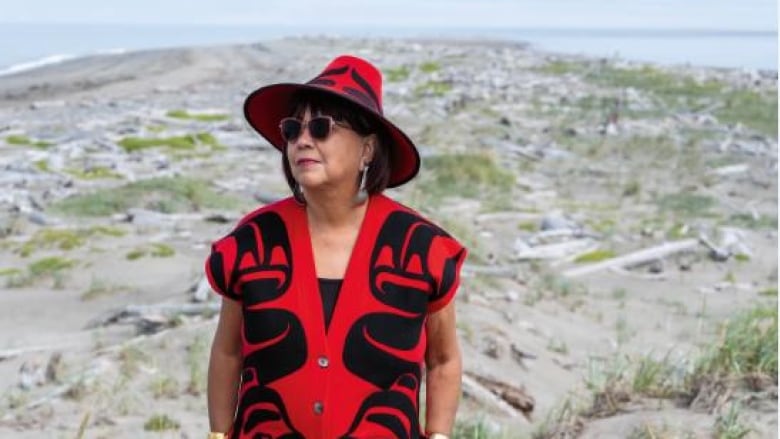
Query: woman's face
point(330, 163)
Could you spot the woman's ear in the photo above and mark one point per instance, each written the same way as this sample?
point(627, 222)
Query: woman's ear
point(369, 148)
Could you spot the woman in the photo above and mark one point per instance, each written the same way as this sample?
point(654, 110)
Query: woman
point(335, 297)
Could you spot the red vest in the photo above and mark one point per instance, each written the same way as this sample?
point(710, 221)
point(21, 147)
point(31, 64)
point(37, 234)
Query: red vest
point(361, 378)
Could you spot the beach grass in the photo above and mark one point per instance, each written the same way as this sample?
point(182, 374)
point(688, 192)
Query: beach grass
point(52, 268)
point(432, 88)
point(746, 346)
point(160, 423)
point(95, 173)
point(157, 250)
point(64, 239)
point(164, 387)
point(676, 92)
point(467, 175)
point(162, 194)
point(202, 117)
point(21, 140)
point(179, 143)
point(397, 74)
point(688, 205)
point(595, 256)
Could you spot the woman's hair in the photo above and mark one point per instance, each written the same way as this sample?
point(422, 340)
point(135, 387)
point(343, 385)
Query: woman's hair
point(360, 120)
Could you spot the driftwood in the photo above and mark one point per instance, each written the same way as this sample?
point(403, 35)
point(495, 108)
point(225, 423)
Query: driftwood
point(553, 251)
point(635, 258)
point(546, 235)
point(645, 276)
point(495, 271)
point(485, 396)
point(730, 170)
point(716, 253)
point(139, 314)
point(11, 353)
point(507, 216)
point(498, 394)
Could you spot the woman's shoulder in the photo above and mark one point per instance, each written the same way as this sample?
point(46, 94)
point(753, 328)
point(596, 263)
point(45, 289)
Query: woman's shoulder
point(280, 209)
point(397, 206)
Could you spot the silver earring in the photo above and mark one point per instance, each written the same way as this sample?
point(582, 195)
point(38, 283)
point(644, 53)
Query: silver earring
point(298, 194)
point(362, 193)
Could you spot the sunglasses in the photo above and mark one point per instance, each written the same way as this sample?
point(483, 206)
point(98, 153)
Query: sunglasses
point(319, 127)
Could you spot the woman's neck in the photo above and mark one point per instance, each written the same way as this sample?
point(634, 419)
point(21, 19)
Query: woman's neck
point(333, 210)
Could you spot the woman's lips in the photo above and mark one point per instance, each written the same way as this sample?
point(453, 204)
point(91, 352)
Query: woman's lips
point(306, 162)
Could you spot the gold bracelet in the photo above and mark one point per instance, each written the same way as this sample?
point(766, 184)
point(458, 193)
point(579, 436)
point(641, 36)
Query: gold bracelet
point(213, 435)
point(438, 436)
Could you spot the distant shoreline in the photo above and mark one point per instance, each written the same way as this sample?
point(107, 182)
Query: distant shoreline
point(42, 44)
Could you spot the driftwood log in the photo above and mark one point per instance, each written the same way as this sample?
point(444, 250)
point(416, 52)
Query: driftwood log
point(635, 258)
point(507, 399)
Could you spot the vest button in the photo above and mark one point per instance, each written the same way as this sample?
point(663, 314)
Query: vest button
point(318, 407)
point(323, 361)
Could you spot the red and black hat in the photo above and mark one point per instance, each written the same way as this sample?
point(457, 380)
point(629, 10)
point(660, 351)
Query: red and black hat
point(347, 77)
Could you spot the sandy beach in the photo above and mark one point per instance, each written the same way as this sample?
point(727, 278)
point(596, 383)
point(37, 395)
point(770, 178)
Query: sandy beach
point(621, 217)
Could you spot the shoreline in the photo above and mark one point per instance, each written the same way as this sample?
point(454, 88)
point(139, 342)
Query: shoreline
point(540, 39)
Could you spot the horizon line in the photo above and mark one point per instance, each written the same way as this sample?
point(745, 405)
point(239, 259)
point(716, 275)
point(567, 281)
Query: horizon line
point(433, 27)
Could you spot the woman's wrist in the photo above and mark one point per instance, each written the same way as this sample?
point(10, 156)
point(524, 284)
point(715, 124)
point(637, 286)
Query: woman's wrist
point(215, 435)
point(437, 436)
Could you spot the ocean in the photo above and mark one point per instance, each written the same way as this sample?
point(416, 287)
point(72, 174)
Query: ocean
point(27, 45)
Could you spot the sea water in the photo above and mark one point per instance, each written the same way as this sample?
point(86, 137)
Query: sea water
point(28, 45)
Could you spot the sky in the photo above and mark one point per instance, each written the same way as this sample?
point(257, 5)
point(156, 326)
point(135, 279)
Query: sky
point(753, 15)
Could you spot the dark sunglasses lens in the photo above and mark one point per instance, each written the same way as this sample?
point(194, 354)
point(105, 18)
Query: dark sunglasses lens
point(291, 129)
point(319, 127)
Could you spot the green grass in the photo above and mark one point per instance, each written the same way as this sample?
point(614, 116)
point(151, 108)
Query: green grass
point(729, 426)
point(687, 205)
point(433, 88)
point(64, 239)
point(747, 345)
point(467, 175)
point(158, 250)
point(430, 67)
point(10, 271)
point(98, 289)
point(677, 92)
point(595, 256)
point(202, 117)
point(161, 423)
point(562, 68)
point(654, 378)
point(197, 359)
point(178, 143)
point(50, 266)
point(42, 165)
point(528, 226)
point(397, 74)
point(749, 222)
point(26, 141)
point(752, 110)
point(96, 173)
point(164, 387)
point(475, 429)
point(164, 194)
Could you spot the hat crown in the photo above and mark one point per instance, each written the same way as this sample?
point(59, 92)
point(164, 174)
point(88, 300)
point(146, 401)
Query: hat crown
point(354, 77)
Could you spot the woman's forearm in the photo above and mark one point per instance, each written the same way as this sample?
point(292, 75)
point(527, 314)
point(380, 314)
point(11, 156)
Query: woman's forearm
point(442, 396)
point(223, 380)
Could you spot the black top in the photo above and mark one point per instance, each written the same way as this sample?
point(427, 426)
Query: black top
point(329, 288)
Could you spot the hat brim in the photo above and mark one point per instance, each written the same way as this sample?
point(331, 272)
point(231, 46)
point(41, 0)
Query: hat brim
point(265, 107)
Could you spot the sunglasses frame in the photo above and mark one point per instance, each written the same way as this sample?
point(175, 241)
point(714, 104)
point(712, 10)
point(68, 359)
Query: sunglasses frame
point(332, 122)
